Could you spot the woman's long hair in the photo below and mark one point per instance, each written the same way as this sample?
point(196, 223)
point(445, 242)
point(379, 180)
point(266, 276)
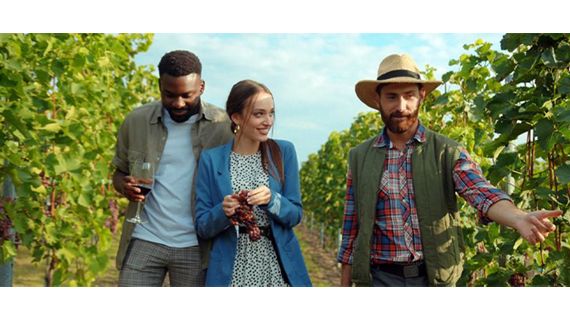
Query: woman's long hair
point(241, 98)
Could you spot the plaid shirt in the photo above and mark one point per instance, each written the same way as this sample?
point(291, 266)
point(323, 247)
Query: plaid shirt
point(396, 234)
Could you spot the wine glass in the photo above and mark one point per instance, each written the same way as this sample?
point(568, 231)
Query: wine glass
point(143, 172)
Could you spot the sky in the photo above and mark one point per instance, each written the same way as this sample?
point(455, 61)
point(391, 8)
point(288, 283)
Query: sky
point(312, 76)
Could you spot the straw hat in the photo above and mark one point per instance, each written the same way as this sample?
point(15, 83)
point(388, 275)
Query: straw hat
point(394, 68)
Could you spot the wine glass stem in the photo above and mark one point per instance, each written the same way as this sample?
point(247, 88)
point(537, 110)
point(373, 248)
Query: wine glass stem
point(139, 208)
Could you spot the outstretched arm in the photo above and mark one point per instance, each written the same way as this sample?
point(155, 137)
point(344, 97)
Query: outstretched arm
point(496, 205)
point(533, 226)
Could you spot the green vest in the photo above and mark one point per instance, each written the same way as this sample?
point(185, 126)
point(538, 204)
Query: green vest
point(442, 240)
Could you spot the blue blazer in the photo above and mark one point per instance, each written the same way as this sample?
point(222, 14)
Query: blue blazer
point(284, 209)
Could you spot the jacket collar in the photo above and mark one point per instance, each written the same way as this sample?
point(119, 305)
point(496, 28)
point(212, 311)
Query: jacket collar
point(223, 170)
point(226, 151)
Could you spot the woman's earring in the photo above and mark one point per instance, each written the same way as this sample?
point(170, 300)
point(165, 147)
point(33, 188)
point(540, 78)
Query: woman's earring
point(236, 128)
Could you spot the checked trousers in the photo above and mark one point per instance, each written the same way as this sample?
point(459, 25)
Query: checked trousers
point(147, 263)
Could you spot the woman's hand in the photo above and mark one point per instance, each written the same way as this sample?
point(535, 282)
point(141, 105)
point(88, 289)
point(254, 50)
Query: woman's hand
point(229, 205)
point(259, 196)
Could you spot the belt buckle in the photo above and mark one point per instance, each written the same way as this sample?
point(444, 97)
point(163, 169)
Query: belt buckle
point(411, 271)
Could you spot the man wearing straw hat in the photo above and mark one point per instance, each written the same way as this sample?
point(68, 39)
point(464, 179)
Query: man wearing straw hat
point(400, 220)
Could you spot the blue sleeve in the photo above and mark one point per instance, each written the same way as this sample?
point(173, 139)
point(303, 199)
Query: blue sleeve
point(210, 218)
point(285, 207)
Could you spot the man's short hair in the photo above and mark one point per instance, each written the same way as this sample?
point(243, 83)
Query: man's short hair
point(179, 63)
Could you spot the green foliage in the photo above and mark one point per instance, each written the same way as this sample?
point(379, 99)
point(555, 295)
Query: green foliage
point(492, 104)
point(62, 98)
point(323, 175)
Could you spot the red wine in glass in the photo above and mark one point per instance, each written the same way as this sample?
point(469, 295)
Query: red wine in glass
point(143, 172)
point(144, 189)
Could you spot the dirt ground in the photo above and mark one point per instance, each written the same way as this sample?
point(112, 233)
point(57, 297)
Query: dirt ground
point(320, 262)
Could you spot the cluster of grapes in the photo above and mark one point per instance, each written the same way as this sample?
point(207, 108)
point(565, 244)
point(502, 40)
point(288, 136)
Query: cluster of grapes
point(113, 220)
point(45, 180)
point(5, 224)
point(5, 229)
point(244, 216)
point(517, 280)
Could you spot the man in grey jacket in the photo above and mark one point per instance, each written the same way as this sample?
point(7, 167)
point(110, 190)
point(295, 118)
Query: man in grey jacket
point(170, 134)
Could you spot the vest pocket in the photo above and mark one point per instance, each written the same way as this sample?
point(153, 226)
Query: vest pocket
point(447, 252)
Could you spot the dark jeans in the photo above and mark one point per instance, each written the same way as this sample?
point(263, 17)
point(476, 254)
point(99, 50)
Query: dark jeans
point(384, 279)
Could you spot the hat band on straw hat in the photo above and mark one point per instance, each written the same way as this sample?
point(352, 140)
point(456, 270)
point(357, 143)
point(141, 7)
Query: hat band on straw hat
point(398, 73)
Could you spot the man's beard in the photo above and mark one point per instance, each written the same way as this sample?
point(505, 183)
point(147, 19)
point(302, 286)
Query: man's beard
point(399, 126)
point(190, 110)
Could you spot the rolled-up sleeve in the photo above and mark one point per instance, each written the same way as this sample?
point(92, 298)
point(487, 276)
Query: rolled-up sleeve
point(121, 160)
point(474, 188)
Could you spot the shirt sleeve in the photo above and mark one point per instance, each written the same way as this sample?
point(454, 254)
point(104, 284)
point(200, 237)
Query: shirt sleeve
point(350, 224)
point(120, 160)
point(474, 188)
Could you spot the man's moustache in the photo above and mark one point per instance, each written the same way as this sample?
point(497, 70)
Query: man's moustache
point(186, 108)
point(400, 115)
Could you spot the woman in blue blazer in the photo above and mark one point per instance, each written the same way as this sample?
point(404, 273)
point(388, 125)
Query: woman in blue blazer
point(268, 172)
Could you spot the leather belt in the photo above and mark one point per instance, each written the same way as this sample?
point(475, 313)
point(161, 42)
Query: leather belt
point(404, 270)
point(264, 231)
